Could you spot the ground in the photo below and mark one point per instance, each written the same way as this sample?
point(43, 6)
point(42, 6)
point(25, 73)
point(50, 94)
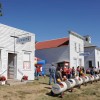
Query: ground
point(40, 90)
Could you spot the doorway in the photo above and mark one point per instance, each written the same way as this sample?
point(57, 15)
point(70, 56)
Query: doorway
point(12, 62)
point(90, 64)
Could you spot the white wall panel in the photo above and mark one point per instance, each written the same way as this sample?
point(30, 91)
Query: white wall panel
point(75, 54)
point(7, 45)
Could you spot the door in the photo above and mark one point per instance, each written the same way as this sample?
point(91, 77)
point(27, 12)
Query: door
point(12, 61)
point(90, 64)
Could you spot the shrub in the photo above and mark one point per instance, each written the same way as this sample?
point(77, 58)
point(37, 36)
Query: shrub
point(2, 78)
point(25, 77)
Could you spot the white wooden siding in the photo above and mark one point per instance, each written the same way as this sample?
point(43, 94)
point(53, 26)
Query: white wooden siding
point(7, 46)
point(54, 55)
point(74, 53)
point(91, 57)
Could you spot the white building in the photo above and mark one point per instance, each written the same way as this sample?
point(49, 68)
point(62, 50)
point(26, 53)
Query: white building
point(76, 47)
point(17, 48)
point(93, 59)
point(61, 51)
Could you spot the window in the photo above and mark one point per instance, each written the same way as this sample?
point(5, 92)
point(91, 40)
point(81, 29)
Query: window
point(86, 39)
point(79, 47)
point(75, 46)
point(90, 64)
point(98, 63)
point(26, 61)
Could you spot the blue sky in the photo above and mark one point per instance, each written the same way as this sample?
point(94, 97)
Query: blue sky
point(51, 19)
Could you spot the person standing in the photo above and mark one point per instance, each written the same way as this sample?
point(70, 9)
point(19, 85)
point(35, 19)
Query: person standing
point(78, 71)
point(68, 73)
point(64, 71)
point(37, 71)
point(91, 71)
point(73, 72)
point(52, 71)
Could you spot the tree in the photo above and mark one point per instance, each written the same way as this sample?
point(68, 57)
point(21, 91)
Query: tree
point(0, 9)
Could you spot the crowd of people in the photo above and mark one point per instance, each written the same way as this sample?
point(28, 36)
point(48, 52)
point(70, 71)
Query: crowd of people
point(62, 73)
point(93, 70)
point(57, 74)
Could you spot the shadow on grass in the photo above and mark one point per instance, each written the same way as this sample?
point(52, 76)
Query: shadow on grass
point(48, 87)
point(52, 95)
point(43, 83)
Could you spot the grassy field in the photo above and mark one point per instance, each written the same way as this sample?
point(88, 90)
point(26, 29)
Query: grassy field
point(40, 90)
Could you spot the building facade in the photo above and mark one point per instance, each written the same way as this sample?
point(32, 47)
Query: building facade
point(93, 59)
point(17, 51)
point(76, 47)
point(61, 51)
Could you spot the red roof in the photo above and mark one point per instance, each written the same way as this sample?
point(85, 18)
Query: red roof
point(52, 43)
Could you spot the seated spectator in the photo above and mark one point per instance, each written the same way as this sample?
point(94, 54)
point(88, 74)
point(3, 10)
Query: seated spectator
point(64, 78)
point(59, 73)
point(88, 71)
point(80, 72)
point(77, 77)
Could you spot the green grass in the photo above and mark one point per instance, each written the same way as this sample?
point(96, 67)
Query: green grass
point(89, 92)
point(40, 90)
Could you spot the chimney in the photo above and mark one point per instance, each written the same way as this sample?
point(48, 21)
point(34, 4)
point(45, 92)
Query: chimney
point(87, 38)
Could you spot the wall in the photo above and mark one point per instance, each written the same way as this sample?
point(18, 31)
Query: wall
point(97, 57)
point(91, 57)
point(75, 53)
point(53, 55)
point(7, 46)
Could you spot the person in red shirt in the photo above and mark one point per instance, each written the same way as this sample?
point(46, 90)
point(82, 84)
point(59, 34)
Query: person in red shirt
point(37, 71)
point(64, 71)
point(68, 72)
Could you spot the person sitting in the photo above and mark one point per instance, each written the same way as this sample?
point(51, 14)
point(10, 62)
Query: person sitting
point(80, 72)
point(64, 78)
point(77, 77)
point(59, 73)
point(59, 82)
